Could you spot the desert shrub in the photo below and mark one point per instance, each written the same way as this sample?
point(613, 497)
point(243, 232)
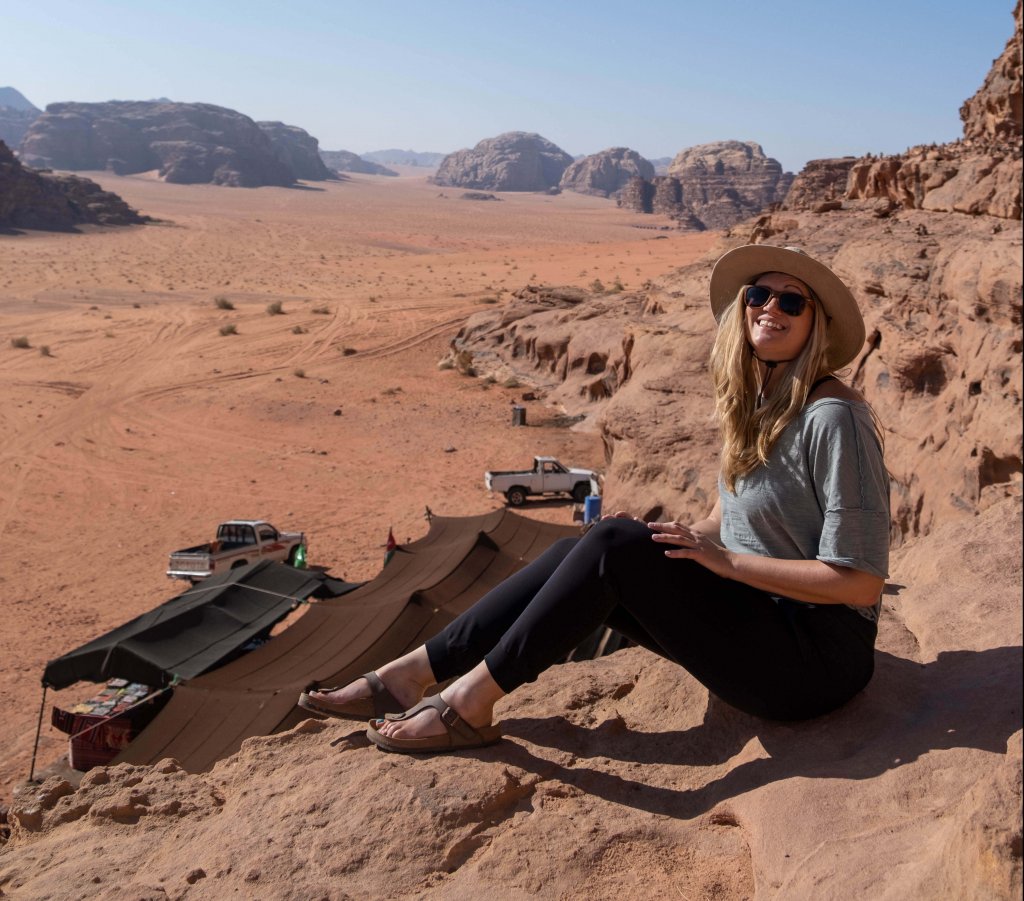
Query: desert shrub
point(108, 334)
point(44, 351)
point(299, 373)
point(597, 286)
point(223, 303)
point(20, 342)
point(298, 330)
point(322, 311)
point(349, 351)
point(275, 309)
point(136, 306)
point(229, 329)
point(488, 299)
point(617, 286)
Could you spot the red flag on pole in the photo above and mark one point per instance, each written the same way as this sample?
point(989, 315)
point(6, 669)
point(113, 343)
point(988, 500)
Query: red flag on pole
point(389, 547)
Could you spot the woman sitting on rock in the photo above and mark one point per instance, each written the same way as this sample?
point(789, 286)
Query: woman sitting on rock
point(771, 601)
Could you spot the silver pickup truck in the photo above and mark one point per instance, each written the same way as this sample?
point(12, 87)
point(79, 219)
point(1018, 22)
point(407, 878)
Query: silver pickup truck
point(238, 542)
point(548, 476)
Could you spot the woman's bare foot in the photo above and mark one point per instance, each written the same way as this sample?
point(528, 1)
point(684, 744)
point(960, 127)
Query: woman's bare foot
point(471, 696)
point(406, 678)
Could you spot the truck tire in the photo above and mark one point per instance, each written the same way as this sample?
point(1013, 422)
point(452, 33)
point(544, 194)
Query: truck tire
point(516, 496)
point(580, 492)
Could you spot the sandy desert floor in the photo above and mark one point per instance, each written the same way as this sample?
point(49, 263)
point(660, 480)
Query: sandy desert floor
point(131, 426)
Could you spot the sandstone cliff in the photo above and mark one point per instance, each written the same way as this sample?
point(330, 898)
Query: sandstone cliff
point(187, 143)
point(980, 174)
point(712, 185)
point(346, 161)
point(605, 173)
point(36, 200)
point(296, 149)
point(513, 161)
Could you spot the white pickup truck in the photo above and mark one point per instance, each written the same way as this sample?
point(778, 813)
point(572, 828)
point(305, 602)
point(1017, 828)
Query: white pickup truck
point(238, 542)
point(548, 476)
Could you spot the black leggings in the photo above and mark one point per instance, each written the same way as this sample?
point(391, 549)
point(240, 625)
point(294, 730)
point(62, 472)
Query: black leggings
point(772, 658)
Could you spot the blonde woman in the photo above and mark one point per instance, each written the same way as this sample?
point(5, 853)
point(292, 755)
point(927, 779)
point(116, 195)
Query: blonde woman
point(771, 600)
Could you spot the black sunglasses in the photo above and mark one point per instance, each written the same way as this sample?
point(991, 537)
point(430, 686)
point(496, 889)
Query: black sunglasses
point(791, 303)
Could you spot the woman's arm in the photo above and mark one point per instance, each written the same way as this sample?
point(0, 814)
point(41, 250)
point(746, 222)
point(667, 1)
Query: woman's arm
point(803, 580)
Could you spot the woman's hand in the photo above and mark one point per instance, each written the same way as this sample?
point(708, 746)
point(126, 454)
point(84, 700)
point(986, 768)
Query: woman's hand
point(687, 543)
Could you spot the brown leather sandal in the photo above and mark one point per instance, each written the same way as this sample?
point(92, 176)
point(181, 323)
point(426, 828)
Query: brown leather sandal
point(458, 736)
point(380, 702)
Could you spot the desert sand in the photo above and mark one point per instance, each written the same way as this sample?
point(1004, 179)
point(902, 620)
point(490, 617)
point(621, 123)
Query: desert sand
point(131, 426)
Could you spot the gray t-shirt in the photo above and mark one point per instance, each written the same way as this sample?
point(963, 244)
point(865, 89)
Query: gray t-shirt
point(822, 495)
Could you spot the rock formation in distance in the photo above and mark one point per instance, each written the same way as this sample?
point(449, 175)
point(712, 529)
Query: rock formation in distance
point(712, 185)
point(17, 113)
point(513, 161)
point(188, 143)
point(606, 173)
point(297, 149)
point(38, 200)
point(396, 157)
point(346, 161)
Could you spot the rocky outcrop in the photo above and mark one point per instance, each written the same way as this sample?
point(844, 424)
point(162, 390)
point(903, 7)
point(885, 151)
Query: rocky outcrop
point(978, 175)
point(514, 161)
point(17, 113)
point(996, 111)
point(606, 173)
point(346, 161)
point(713, 185)
point(297, 149)
point(187, 143)
point(38, 200)
point(821, 185)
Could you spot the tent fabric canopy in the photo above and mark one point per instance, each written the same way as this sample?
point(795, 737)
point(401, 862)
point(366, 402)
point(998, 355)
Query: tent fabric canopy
point(419, 592)
point(197, 630)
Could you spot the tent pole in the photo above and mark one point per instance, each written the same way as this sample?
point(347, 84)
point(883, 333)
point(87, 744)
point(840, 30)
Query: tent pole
point(39, 728)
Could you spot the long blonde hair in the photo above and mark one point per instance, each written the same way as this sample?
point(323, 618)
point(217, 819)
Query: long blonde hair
point(749, 431)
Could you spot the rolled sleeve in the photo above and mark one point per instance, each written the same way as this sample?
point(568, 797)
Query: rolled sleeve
point(852, 488)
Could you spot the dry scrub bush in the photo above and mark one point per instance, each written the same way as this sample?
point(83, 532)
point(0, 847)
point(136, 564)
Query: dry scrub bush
point(44, 351)
point(21, 342)
point(322, 311)
point(298, 330)
point(275, 309)
point(223, 303)
point(299, 373)
point(229, 329)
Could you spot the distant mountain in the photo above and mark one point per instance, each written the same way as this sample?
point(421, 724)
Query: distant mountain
point(404, 158)
point(513, 161)
point(189, 143)
point(346, 161)
point(16, 115)
point(14, 99)
point(661, 164)
point(297, 149)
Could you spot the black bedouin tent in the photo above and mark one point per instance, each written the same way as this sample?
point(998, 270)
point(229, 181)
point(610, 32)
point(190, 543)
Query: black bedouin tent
point(425, 586)
point(196, 631)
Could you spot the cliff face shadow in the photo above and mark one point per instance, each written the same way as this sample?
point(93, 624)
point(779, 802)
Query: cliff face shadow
point(964, 699)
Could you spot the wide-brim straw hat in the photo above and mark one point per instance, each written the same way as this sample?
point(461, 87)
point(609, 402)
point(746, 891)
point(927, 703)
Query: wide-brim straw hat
point(743, 265)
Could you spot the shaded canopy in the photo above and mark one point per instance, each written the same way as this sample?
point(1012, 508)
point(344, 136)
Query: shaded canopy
point(197, 630)
point(425, 586)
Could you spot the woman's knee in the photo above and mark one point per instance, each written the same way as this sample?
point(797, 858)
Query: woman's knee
point(619, 532)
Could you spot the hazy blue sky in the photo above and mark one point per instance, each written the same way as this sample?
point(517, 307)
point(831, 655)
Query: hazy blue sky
point(805, 78)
